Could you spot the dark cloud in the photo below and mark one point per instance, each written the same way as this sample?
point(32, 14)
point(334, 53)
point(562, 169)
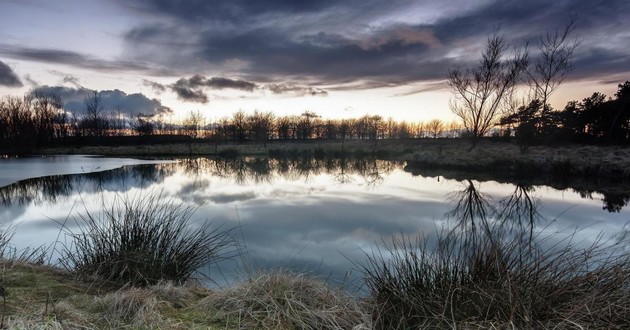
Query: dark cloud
point(8, 77)
point(113, 100)
point(218, 83)
point(78, 60)
point(157, 87)
point(194, 89)
point(298, 90)
point(70, 79)
point(186, 93)
point(362, 44)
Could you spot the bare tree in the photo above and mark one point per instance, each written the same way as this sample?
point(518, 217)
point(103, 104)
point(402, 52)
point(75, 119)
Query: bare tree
point(193, 124)
point(554, 62)
point(435, 127)
point(480, 92)
point(93, 118)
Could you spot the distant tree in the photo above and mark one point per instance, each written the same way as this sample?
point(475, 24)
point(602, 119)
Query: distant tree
point(193, 124)
point(480, 92)
point(93, 122)
point(305, 125)
point(260, 125)
point(435, 127)
point(239, 122)
point(143, 125)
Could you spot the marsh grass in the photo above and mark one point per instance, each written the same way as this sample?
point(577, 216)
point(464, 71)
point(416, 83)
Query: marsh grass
point(144, 240)
point(496, 280)
point(284, 300)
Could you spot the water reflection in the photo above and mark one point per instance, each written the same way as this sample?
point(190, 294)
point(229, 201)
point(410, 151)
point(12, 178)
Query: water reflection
point(241, 171)
point(615, 194)
point(51, 189)
point(312, 214)
point(473, 211)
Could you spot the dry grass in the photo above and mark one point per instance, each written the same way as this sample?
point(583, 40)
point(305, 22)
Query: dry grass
point(495, 279)
point(144, 240)
point(282, 300)
point(42, 297)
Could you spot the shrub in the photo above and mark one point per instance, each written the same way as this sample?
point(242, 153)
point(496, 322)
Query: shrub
point(142, 241)
point(493, 281)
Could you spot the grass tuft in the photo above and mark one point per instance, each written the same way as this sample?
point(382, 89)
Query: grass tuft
point(282, 300)
point(143, 241)
point(497, 281)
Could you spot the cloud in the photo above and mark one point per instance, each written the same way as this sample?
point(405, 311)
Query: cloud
point(186, 93)
point(157, 87)
point(113, 100)
point(221, 83)
point(194, 89)
point(366, 43)
point(404, 34)
point(8, 77)
point(298, 90)
point(69, 79)
point(75, 59)
point(31, 81)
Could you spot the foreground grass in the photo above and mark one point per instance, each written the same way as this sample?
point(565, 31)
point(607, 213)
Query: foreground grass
point(44, 297)
point(50, 298)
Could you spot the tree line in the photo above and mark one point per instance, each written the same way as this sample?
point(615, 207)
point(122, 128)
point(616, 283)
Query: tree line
point(41, 120)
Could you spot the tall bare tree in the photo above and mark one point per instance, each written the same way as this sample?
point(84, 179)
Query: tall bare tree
point(480, 92)
point(554, 61)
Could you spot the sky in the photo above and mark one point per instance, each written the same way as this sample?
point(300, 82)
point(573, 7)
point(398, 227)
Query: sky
point(339, 59)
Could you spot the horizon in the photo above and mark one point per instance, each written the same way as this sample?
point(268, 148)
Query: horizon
point(338, 59)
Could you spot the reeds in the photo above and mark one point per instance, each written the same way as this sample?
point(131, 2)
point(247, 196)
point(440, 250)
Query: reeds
point(497, 280)
point(144, 240)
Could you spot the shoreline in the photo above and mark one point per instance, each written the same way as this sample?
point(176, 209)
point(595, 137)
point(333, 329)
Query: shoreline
point(611, 162)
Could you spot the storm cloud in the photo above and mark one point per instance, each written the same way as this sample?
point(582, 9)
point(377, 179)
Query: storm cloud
point(194, 89)
point(79, 60)
point(372, 42)
point(112, 100)
point(8, 77)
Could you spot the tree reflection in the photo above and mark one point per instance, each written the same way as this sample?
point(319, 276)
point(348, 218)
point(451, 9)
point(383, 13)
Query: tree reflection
point(50, 189)
point(520, 209)
point(241, 170)
point(516, 213)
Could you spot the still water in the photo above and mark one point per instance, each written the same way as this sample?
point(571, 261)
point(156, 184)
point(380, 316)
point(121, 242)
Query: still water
point(319, 216)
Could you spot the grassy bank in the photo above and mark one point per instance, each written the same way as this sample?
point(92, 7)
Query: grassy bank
point(496, 285)
point(44, 297)
point(488, 156)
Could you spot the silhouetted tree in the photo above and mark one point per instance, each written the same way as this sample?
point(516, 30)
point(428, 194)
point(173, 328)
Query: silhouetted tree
point(143, 125)
point(435, 127)
point(480, 92)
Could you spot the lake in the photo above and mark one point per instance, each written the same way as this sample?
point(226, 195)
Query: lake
point(312, 215)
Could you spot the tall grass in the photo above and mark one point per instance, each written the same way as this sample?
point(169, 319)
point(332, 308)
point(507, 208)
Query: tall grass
point(144, 240)
point(496, 280)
